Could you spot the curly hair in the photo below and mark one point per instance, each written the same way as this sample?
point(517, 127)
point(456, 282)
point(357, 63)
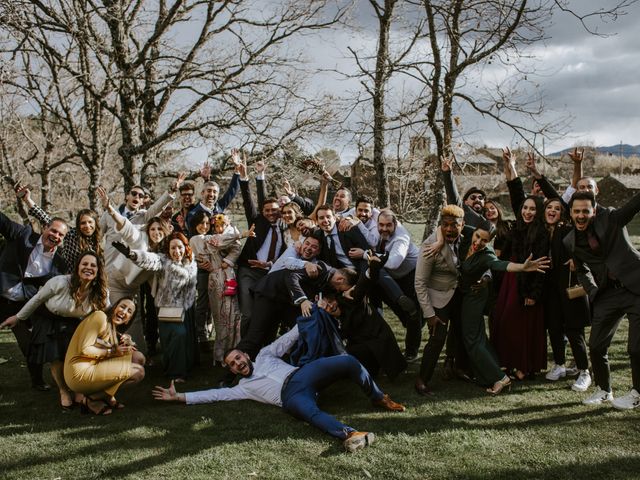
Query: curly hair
point(94, 241)
point(97, 289)
point(188, 253)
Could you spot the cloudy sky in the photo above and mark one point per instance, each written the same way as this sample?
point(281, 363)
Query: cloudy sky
point(593, 80)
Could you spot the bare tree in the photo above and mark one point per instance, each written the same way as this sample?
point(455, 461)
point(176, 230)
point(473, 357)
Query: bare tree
point(177, 68)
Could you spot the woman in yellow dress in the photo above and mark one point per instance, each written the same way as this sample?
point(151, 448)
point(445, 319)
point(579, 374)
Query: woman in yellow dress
point(100, 359)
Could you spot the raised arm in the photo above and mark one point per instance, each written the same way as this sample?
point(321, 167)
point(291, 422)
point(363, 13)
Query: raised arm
point(322, 196)
point(623, 215)
point(546, 187)
point(577, 156)
point(453, 197)
point(234, 184)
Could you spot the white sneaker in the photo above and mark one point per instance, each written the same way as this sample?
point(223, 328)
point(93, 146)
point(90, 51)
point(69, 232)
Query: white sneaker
point(628, 402)
point(556, 373)
point(582, 382)
point(598, 397)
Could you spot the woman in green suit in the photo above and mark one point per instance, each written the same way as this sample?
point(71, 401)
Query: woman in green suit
point(481, 258)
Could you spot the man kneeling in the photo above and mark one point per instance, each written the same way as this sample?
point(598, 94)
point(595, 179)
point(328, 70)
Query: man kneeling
point(271, 380)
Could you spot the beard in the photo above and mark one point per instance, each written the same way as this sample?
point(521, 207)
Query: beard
point(250, 365)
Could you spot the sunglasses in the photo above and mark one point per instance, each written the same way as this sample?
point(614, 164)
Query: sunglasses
point(186, 194)
point(476, 197)
point(135, 193)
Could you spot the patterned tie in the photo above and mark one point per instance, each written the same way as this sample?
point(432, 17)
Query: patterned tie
point(272, 246)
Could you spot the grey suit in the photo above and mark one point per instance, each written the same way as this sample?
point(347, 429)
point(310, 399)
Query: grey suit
point(436, 284)
point(613, 285)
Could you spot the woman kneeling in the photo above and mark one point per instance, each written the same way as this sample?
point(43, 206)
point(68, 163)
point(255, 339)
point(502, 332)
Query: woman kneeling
point(100, 358)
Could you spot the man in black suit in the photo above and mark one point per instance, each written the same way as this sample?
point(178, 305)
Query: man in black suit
point(281, 296)
point(261, 251)
point(609, 269)
point(336, 244)
point(28, 260)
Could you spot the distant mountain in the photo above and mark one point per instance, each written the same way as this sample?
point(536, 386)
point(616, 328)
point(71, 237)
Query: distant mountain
point(627, 150)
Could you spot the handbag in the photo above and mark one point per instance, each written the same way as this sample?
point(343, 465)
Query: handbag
point(230, 287)
point(171, 314)
point(575, 291)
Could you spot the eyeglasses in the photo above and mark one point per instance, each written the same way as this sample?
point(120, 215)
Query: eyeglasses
point(135, 193)
point(186, 194)
point(476, 197)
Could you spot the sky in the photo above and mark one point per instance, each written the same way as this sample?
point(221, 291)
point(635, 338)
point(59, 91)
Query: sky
point(591, 80)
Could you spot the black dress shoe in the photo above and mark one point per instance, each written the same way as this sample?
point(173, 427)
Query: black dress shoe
point(41, 387)
point(422, 389)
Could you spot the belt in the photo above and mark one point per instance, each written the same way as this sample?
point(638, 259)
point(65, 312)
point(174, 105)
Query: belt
point(285, 384)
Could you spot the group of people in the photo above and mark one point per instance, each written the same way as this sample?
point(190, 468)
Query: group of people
point(318, 276)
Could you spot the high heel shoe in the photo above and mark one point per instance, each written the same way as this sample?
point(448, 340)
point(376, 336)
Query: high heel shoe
point(504, 382)
point(86, 409)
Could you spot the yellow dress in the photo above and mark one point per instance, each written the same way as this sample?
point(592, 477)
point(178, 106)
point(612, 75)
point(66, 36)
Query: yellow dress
point(85, 369)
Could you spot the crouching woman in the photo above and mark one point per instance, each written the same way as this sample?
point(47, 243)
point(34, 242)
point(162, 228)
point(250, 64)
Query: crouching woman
point(101, 358)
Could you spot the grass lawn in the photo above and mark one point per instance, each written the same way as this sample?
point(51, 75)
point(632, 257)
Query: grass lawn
point(538, 430)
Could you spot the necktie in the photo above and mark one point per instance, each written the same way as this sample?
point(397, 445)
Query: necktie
point(333, 258)
point(129, 214)
point(272, 246)
point(382, 245)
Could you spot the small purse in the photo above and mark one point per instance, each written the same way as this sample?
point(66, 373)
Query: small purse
point(230, 287)
point(575, 291)
point(171, 314)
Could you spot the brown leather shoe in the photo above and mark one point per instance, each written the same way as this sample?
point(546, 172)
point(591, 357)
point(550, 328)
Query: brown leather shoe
point(358, 440)
point(388, 404)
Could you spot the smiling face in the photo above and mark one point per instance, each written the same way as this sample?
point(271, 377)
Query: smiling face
point(88, 268)
point(271, 211)
point(134, 199)
point(588, 184)
point(333, 307)
point(123, 312)
point(156, 233)
point(239, 363)
point(186, 198)
point(203, 227)
point(341, 200)
point(386, 226)
point(553, 212)
point(582, 211)
point(480, 240)
point(491, 212)
point(528, 211)
point(53, 235)
point(364, 211)
point(176, 250)
point(210, 194)
point(289, 215)
point(326, 220)
point(475, 201)
point(310, 248)
point(87, 225)
point(304, 226)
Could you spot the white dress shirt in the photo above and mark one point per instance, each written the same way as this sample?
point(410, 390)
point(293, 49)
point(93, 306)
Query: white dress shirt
point(265, 383)
point(340, 253)
point(39, 265)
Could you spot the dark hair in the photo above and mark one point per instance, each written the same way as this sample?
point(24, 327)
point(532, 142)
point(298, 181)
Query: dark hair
point(563, 212)
point(350, 275)
point(94, 242)
point(325, 207)
point(187, 186)
point(58, 219)
point(269, 200)
point(530, 233)
point(109, 312)
point(502, 227)
point(98, 291)
point(346, 190)
point(471, 191)
point(364, 199)
point(196, 219)
point(188, 253)
point(160, 245)
point(387, 212)
point(582, 195)
point(487, 226)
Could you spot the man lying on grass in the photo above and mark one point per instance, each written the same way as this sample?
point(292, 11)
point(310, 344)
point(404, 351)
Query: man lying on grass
point(271, 380)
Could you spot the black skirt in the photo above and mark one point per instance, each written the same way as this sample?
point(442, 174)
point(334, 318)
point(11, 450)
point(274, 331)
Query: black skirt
point(50, 336)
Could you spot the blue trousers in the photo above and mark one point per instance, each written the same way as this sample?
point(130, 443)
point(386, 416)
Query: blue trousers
point(299, 397)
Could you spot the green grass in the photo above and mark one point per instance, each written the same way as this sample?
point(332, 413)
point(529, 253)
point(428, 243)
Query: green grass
point(538, 430)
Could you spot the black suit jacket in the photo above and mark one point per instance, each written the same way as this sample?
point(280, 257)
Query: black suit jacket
point(620, 258)
point(287, 286)
point(350, 239)
point(255, 217)
point(20, 242)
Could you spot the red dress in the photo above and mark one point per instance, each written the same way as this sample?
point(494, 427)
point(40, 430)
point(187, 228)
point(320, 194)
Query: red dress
point(517, 332)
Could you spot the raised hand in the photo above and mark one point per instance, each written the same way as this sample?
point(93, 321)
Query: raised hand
point(288, 190)
point(577, 155)
point(103, 196)
point(179, 181)
point(446, 163)
point(508, 156)
point(260, 167)
point(23, 192)
point(531, 165)
point(249, 233)
point(205, 171)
